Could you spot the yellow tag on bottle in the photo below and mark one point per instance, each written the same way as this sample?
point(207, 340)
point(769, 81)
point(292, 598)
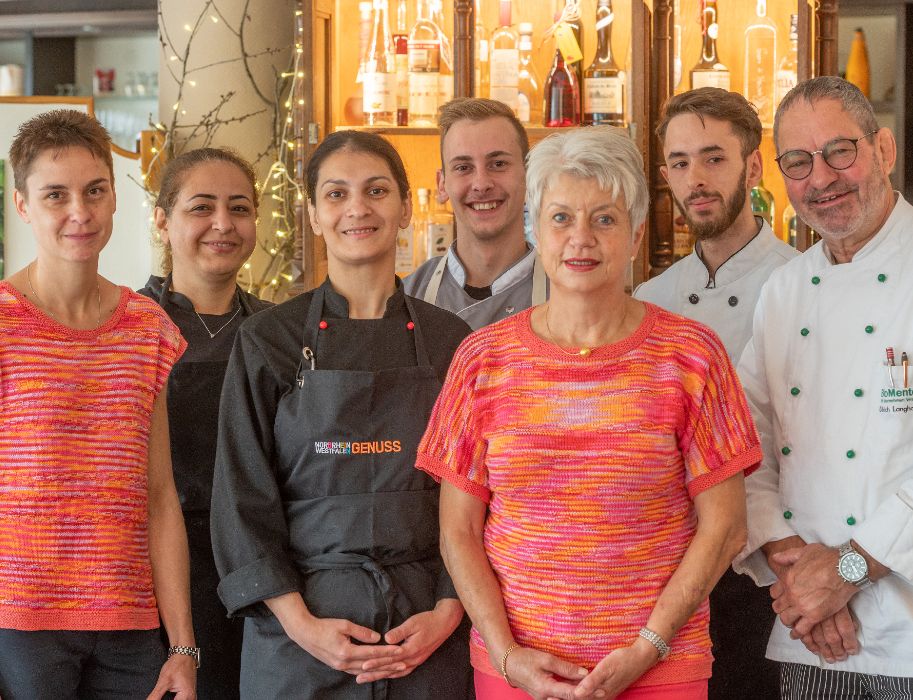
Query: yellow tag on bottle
point(567, 44)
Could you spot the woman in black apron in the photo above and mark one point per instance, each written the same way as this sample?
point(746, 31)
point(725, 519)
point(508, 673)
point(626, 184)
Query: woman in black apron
point(206, 215)
point(325, 534)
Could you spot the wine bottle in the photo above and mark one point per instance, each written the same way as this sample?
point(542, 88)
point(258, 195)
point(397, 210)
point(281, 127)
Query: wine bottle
point(352, 109)
point(788, 70)
point(482, 66)
point(379, 79)
point(401, 47)
point(709, 71)
point(761, 64)
point(857, 65)
point(562, 94)
point(603, 83)
point(424, 67)
point(763, 204)
point(505, 61)
point(529, 98)
point(790, 225)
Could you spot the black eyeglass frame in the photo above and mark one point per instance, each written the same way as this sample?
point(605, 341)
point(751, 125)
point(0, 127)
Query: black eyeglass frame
point(811, 155)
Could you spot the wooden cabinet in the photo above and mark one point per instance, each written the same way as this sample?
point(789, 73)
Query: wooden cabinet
point(642, 40)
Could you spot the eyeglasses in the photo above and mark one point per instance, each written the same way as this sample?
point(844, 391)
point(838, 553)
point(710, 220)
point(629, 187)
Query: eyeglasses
point(838, 154)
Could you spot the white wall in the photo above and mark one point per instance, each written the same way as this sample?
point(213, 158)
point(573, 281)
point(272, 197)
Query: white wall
point(129, 256)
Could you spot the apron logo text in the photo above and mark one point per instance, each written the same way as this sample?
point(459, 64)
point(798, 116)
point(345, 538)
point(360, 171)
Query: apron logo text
point(356, 448)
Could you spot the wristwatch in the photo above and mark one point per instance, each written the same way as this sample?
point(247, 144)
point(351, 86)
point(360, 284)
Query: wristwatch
point(852, 566)
point(192, 652)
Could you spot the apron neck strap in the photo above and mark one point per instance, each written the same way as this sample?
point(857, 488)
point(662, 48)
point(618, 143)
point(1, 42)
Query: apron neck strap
point(315, 311)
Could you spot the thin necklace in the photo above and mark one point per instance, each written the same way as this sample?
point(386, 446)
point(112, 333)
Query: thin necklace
point(583, 351)
point(28, 276)
point(224, 326)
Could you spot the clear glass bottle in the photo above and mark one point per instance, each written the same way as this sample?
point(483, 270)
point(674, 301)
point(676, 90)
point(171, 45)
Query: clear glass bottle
point(709, 71)
point(379, 79)
point(439, 233)
point(401, 47)
point(788, 70)
point(424, 67)
point(562, 94)
point(482, 67)
point(505, 61)
point(676, 44)
point(352, 109)
point(603, 81)
point(405, 250)
point(421, 218)
point(761, 64)
point(530, 97)
point(790, 225)
point(445, 80)
point(763, 204)
point(857, 64)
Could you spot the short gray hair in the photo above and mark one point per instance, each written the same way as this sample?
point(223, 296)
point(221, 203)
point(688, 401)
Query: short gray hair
point(829, 87)
point(602, 153)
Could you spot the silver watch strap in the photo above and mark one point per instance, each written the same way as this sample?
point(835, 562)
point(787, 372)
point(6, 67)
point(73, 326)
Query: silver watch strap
point(656, 641)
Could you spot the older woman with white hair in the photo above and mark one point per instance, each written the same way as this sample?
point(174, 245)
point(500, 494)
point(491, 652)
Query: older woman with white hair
point(593, 494)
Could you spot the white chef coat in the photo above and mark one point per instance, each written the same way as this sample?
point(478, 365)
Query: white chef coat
point(726, 301)
point(511, 292)
point(837, 437)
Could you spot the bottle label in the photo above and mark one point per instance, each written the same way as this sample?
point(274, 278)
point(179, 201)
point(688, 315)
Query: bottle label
point(605, 21)
point(567, 44)
point(424, 56)
point(786, 81)
point(440, 236)
point(445, 88)
point(505, 68)
point(603, 95)
point(405, 250)
point(379, 93)
point(508, 95)
point(423, 94)
point(402, 80)
point(710, 78)
point(523, 108)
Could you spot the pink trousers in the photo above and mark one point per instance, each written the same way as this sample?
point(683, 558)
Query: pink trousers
point(495, 688)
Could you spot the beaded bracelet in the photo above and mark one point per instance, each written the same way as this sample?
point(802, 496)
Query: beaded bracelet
point(504, 663)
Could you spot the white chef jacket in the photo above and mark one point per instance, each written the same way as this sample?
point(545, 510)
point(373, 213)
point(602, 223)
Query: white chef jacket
point(725, 302)
point(837, 436)
point(511, 292)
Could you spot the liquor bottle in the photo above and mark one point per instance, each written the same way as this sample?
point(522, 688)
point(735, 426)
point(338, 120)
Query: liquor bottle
point(445, 79)
point(529, 98)
point(603, 83)
point(682, 238)
point(562, 94)
point(762, 203)
point(424, 67)
point(352, 109)
point(379, 79)
point(788, 70)
point(857, 65)
point(420, 220)
point(405, 250)
point(505, 61)
point(676, 44)
point(401, 46)
point(761, 64)
point(789, 225)
point(482, 67)
point(709, 72)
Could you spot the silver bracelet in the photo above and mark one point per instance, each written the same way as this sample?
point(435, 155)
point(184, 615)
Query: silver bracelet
point(656, 641)
point(192, 652)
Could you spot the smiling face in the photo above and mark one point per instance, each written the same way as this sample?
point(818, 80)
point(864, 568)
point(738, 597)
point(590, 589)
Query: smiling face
point(358, 209)
point(841, 205)
point(484, 178)
point(213, 224)
point(709, 178)
point(585, 237)
point(70, 204)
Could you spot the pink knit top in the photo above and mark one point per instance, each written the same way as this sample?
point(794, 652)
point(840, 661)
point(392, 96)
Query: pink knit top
point(75, 414)
point(589, 467)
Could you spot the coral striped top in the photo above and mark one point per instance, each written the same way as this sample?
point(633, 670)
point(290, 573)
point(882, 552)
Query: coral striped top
point(75, 415)
point(589, 467)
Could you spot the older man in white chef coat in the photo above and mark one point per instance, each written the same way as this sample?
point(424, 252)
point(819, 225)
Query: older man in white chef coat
point(710, 142)
point(831, 508)
point(490, 272)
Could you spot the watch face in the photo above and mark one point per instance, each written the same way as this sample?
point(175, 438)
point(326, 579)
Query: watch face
point(853, 567)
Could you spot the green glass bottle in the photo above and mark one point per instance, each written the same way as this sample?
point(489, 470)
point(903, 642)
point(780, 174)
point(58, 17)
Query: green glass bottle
point(762, 203)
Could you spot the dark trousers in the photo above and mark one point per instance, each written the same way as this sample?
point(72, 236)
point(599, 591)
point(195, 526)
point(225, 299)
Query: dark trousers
point(802, 682)
point(741, 618)
point(64, 665)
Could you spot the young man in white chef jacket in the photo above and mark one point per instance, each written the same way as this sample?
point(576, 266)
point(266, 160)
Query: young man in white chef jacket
point(710, 142)
point(830, 511)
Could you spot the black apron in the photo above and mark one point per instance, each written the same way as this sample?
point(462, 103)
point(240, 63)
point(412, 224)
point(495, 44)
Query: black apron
point(194, 389)
point(362, 519)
